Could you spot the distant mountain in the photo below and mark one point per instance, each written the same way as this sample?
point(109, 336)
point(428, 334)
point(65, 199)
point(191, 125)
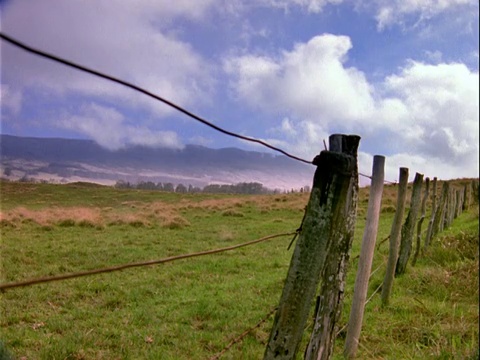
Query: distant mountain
point(67, 160)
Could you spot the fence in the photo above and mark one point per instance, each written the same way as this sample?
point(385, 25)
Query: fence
point(324, 241)
point(322, 251)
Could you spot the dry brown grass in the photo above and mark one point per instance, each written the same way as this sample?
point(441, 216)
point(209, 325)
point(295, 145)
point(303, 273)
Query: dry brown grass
point(75, 215)
point(137, 215)
point(232, 212)
point(140, 214)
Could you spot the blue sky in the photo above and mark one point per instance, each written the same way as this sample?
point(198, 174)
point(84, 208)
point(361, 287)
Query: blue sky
point(401, 74)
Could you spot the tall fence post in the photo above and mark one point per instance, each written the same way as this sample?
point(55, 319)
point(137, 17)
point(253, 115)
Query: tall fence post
point(462, 201)
point(467, 192)
point(395, 237)
point(328, 202)
point(440, 213)
point(420, 222)
point(450, 208)
point(366, 258)
point(408, 228)
point(432, 215)
point(330, 299)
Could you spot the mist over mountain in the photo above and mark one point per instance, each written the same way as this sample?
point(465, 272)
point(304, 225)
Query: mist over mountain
point(68, 160)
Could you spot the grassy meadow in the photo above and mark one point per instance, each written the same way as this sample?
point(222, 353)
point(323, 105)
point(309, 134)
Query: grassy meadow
point(192, 308)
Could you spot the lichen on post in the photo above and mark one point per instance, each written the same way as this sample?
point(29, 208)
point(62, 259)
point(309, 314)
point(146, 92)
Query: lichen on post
point(327, 204)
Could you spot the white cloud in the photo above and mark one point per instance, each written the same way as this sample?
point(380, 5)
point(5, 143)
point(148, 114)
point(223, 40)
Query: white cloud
point(109, 129)
point(10, 99)
point(440, 105)
point(201, 140)
point(426, 114)
point(395, 12)
point(120, 38)
point(434, 56)
point(312, 6)
point(309, 81)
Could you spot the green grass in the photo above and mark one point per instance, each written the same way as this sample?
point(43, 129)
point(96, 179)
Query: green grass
point(191, 309)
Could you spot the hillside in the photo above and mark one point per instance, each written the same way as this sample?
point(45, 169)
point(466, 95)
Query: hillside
point(67, 160)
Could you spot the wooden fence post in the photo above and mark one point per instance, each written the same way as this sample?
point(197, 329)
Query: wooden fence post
point(432, 215)
point(395, 237)
point(328, 202)
point(467, 190)
point(420, 222)
point(440, 213)
point(462, 201)
point(366, 257)
point(330, 299)
point(458, 203)
point(408, 228)
point(450, 208)
point(444, 217)
point(474, 188)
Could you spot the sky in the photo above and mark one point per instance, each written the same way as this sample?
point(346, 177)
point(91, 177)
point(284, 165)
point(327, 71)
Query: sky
point(402, 74)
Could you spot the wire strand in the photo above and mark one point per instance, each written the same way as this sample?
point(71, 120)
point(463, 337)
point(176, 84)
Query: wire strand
point(242, 335)
point(6, 286)
point(41, 53)
point(386, 181)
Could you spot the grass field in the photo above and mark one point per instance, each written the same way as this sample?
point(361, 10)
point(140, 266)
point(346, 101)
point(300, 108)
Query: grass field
point(192, 308)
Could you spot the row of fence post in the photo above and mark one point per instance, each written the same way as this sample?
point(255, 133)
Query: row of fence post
point(322, 251)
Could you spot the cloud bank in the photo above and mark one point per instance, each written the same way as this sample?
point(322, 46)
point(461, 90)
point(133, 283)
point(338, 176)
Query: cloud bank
point(423, 115)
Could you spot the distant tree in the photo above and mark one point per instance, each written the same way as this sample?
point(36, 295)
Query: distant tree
point(195, 190)
point(240, 188)
point(146, 185)
point(159, 186)
point(212, 188)
point(181, 189)
point(168, 187)
point(24, 178)
point(121, 184)
point(7, 171)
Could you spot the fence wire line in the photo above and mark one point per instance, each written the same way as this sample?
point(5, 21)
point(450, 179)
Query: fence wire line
point(242, 335)
point(11, 285)
point(41, 53)
point(385, 181)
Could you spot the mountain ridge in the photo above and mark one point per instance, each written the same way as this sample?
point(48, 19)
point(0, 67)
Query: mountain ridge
point(69, 160)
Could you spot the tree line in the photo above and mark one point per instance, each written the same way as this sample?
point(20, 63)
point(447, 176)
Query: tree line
point(254, 188)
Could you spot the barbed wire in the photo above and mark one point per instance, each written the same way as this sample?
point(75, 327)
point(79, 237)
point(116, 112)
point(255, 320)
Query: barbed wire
point(69, 63)
point(4, 287)
point(242, 335)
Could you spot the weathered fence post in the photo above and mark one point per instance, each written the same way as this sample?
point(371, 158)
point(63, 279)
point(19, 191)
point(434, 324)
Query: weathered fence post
point(432, 215)
point(458, 203)
point(366, 257)
point(395, 237)
point(440, 213)
point(462, 201)
point(329, 201)
point(450, 208)
point(420, 222)
point(475, 198)
point(330, 299)
point(408, 228)
point(467, 192)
